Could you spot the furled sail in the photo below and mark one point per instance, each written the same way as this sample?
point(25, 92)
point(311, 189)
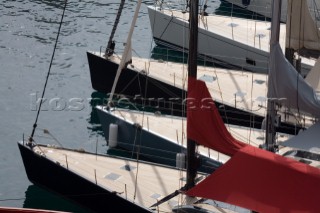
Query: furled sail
point(253, 178)
point(127, 54)
point(288, 86)
point(306, 140)
point(301, 29)
point(313, 77)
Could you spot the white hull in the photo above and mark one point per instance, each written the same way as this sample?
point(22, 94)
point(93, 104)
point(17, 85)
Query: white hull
point(265, 7)
point(240, 43)
point(261, 7)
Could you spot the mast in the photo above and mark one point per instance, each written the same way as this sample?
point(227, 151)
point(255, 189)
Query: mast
point(271, 113)
point(192, 72)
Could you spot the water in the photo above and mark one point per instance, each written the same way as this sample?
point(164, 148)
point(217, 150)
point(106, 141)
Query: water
point(28, 31)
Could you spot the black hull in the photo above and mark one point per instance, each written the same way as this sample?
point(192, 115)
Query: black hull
point(133, 84)
point(53, 177)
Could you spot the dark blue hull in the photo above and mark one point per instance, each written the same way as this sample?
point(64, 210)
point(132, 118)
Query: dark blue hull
point(149, 145)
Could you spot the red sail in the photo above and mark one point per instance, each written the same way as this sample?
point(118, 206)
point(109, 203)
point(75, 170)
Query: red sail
point(264, 182)
point(253, 178)
point(204, 124)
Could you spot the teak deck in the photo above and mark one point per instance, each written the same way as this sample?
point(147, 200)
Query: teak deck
point(240, 89)
point(144, 184)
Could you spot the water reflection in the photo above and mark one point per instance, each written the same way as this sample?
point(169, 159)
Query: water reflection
point(97, 98)
point(227, 9)
point(39, 198)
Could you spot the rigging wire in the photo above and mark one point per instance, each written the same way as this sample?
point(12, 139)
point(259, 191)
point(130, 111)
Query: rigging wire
point(138, 129)
point(251, 116)
point(48, 74)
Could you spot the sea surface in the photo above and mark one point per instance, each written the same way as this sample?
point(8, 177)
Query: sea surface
point(28, 30)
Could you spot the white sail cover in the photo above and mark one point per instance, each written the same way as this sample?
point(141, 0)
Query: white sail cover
point(306, 140)
point(301, 30)
point(129, 53)
point(313, 77)
point(288, 87)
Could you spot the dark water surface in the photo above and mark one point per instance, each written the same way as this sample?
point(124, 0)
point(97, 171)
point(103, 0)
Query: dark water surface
point(28, 31)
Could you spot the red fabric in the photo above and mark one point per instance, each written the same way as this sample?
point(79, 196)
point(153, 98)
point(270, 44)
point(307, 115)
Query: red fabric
point(204, 123)
point(253, 178)
point(263, 181)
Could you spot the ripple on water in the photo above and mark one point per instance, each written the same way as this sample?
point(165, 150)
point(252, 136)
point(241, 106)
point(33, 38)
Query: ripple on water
point(27, 36)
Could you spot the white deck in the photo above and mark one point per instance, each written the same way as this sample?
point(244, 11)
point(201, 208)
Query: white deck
point(153, 182)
